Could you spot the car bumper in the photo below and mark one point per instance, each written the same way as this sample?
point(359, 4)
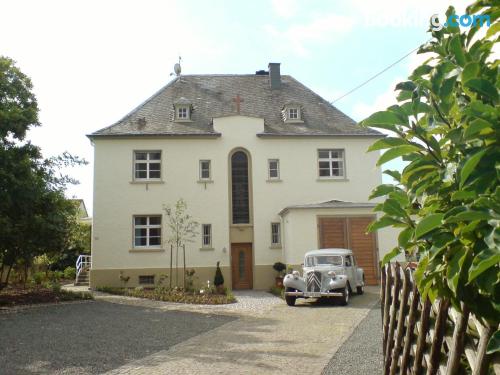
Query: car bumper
point(313, 294)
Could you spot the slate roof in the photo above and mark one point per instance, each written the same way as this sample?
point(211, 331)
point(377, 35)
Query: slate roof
point(334, 203)
point(211, 96)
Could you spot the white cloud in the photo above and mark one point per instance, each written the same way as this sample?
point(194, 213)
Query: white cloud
point(285, 8)
point(321, 29)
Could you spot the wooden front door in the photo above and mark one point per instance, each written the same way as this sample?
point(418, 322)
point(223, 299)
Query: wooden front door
point(241, 265)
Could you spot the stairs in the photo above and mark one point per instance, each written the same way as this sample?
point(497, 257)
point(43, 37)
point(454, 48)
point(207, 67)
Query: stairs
point(83, 278)
point(83, 265)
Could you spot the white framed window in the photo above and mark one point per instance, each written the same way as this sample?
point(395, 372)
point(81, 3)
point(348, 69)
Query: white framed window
point(275, 234)
point(206, 235)
point(147, 231)
point(182, 112)
point(293, 114)
point(205, 170)
point(331, 163)
point(273, 169)
point(147, 165)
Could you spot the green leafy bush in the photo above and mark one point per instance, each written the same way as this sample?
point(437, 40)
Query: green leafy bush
point(446, 201)
point(38, 278)
point(70, 272)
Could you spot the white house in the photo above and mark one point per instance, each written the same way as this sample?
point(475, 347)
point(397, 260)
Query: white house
point(268, 168)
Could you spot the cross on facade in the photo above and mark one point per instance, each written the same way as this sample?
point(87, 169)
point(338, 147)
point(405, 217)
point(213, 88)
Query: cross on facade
point(238, 100)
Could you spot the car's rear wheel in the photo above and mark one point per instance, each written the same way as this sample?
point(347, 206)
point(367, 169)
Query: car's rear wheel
point(344, 300)
point(290, 300)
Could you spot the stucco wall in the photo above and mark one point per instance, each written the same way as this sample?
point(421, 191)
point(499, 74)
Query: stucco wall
point(301, 231)
point(117, 198)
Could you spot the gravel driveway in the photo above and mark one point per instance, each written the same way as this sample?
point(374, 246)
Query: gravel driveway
point(361, 353)
point(92, 337)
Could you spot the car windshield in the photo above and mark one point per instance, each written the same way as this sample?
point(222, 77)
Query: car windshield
point(324, 260)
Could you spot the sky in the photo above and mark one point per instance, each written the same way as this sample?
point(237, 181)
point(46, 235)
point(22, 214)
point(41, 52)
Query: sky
point(92, 62)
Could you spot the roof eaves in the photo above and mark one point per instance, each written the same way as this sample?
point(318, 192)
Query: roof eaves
point(280, 135)
point(156, 135)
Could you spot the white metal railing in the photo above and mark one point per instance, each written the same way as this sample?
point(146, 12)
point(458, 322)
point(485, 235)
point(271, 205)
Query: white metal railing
point(83, 262)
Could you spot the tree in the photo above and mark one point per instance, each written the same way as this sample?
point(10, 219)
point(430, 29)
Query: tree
point(35, 217)
point(446, 201)
point(183, 228)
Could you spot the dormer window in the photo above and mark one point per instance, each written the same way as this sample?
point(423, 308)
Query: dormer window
point(292, 113)
point(182, 113)
point(183, 110)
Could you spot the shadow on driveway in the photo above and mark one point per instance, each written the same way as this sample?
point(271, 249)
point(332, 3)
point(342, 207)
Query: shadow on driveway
point(93, 337)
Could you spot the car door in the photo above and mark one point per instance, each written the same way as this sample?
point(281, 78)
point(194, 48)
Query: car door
point(350, 270)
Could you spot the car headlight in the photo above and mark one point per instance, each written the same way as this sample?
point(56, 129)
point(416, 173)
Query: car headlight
point(295, 274)
point(332, 274)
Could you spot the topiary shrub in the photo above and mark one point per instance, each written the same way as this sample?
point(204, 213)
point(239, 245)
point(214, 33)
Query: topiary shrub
point(279, 267)
point(219, 277)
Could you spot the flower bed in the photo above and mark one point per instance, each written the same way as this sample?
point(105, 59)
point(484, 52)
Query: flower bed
point(173, 295)
point(14, 296)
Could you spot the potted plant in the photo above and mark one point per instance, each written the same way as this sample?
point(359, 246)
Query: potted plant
point(219, 280)
point(279, 267)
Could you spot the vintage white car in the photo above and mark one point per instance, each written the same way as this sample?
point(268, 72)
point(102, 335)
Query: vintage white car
point(327, 273)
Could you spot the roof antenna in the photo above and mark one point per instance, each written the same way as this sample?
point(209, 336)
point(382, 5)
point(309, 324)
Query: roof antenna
point(177, 69)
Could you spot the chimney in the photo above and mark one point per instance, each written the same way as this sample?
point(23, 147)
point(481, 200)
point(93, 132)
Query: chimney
point(274, 75)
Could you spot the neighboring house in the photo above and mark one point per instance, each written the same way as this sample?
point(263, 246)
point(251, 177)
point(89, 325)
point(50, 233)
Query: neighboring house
point(268, 168)
point(83, 215)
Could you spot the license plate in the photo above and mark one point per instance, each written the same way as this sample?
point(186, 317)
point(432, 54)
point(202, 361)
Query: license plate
point(312, 294)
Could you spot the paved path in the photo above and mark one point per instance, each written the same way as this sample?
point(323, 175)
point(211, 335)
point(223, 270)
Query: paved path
point(299, 340)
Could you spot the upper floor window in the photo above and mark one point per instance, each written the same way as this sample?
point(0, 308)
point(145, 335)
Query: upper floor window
point(205, 170)
point(206, 233)
point(274, 169)
point(240, 195)
point(183, 109)
point(275, 234)
point(331, 163)
point(147, 165)
point(147, 231)
point(292, 113)
point(183, 113)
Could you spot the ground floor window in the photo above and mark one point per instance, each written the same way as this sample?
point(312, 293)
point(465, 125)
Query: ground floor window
point(206, 230)
point(147, 279)
point(275, 234)
point(147, 231)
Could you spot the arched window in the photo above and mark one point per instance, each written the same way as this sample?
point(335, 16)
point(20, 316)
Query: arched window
point(239, 188)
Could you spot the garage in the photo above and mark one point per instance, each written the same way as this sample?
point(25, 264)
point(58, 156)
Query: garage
point(350, 233)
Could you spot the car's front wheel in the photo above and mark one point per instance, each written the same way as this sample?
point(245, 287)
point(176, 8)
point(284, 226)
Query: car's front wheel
point(344, 300)
point(290, 300)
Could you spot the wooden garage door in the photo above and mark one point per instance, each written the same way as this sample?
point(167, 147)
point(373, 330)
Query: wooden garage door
point(350, 233)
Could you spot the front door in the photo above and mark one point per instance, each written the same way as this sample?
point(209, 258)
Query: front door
point(241, 265)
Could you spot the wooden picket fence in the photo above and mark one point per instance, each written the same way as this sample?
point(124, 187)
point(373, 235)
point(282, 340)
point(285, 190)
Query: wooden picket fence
point(420, 337)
